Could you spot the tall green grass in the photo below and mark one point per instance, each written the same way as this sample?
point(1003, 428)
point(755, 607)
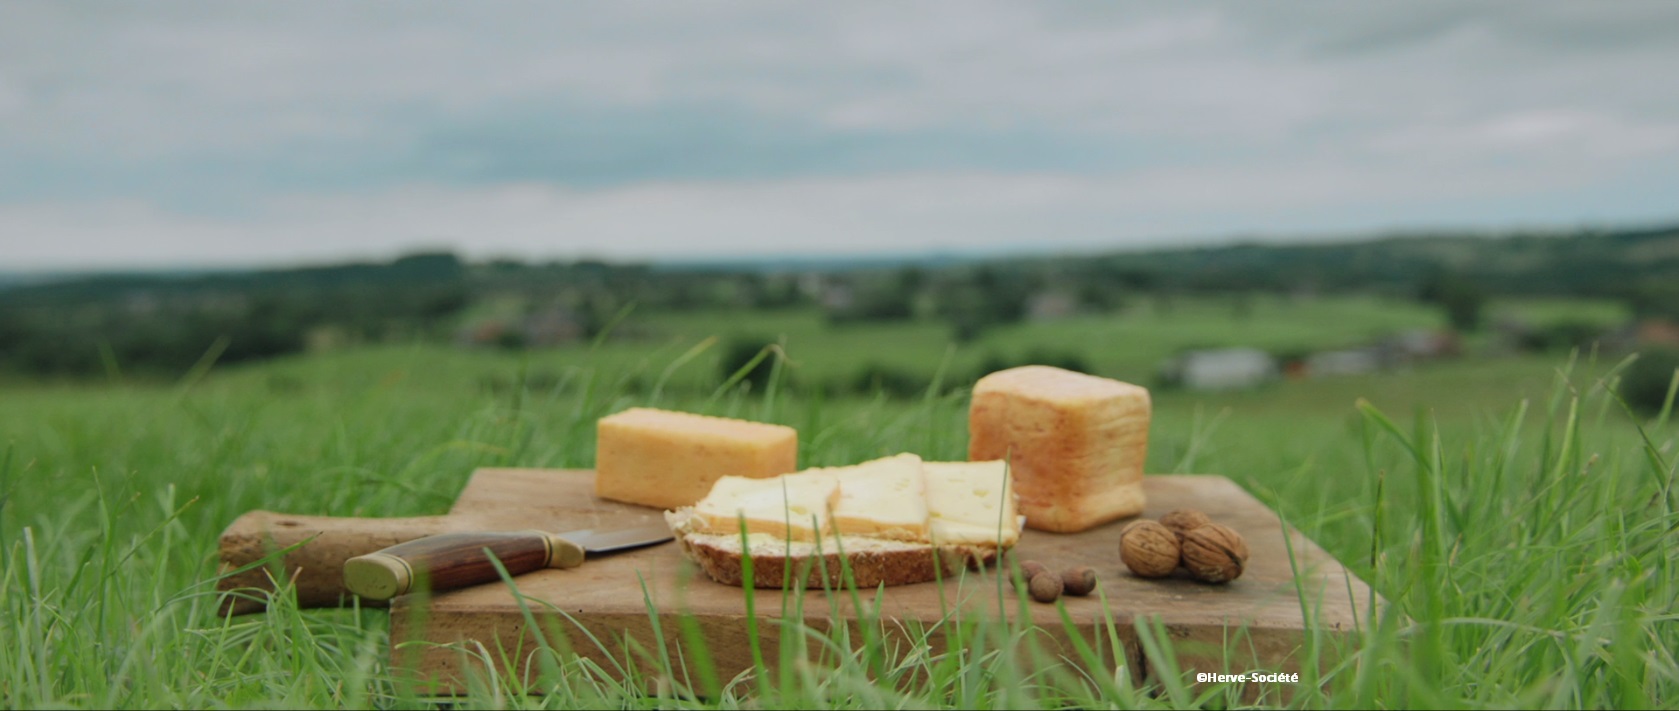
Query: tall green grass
point(1525, 547)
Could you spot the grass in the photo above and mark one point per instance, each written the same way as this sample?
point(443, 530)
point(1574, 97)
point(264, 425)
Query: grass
point(1520, 523)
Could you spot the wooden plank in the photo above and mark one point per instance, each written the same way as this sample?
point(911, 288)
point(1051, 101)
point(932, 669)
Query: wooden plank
point(1254, 623)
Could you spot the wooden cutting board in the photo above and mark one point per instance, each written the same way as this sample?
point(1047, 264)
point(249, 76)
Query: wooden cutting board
point(601, 610)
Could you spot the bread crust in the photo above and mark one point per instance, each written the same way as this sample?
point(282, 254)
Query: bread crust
point(867, 568)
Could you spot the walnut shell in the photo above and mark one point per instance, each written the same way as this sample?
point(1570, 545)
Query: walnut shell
point(1149, 549)
point(1183, 521)
point(1215, 553)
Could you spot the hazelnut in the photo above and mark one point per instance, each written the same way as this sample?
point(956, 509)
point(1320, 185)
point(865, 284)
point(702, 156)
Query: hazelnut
point(1183, 521)
point(1079, 581)
point(1214, 553)
point(1046, 587)
point(1149, 549)
point(1028, 569)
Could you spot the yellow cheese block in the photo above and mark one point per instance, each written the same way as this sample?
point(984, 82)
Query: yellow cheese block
point(671, 459)
point(1075, 443)
point(971, 503)
point(793, 507)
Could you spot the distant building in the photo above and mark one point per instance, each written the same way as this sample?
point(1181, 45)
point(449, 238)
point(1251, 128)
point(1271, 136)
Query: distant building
point(1351, 361)
point(482, 333)
point(838, 297)
point(553, 326)
point(1644, 333)
point(1658, 332)
point(1221, 369)
point(1050, 305)
point(1418, 345)
point(1399, 350)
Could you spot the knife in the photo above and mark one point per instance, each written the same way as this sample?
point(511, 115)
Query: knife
point(456, 560)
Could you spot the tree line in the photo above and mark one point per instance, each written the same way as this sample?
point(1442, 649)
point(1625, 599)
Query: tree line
point(159, 324)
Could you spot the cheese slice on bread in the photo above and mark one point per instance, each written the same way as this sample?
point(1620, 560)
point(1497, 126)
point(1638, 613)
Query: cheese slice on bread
point(793, 506)
point(885, 498)
point(894, 521)
point(971, 503)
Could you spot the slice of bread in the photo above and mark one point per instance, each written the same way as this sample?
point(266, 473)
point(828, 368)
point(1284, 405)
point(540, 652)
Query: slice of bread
point(860, 550)
point(778, 562)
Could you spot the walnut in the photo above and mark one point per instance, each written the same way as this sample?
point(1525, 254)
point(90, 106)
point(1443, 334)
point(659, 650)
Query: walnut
point(1183, 521)
point(1046, 587)
point(1080, 581)
point(1149, 549)
point(1214, 553)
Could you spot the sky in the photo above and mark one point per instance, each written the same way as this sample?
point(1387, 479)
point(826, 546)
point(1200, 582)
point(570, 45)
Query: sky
point(169, 135)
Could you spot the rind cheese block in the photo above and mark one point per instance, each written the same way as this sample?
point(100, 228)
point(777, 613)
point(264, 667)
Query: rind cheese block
point(669, 459)
point(796, 506)
point(967, 518)
point(1075, 443)
point(971, 503)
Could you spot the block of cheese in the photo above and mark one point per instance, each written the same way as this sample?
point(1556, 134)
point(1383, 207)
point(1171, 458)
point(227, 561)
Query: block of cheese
point(971, 503)
point(669, 459)
point(793, 507)
point(884, 498)
point(1075, 443)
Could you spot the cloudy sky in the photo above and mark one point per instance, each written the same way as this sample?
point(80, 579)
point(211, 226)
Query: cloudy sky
point(163, 135)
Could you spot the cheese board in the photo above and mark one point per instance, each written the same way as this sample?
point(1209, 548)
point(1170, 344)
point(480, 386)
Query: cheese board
point(637, 600)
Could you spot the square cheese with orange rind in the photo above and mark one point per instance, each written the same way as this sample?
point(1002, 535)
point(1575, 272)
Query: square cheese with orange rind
point(1075, 443)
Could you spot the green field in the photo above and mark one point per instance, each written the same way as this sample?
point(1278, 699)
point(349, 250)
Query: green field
point(1519, 521)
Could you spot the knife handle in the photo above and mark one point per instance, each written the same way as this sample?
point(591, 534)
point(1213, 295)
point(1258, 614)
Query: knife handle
point(456, 560)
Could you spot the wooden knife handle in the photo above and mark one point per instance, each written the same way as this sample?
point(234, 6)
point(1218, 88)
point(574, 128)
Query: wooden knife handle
point(456, 560)
point(315, 568)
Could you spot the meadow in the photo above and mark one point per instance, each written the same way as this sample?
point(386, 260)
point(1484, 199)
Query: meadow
point(1519, 521)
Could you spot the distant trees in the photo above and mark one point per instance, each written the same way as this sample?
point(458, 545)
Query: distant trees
point(163, 325)
point(1460, 298)
point(745, 353)
point(1646, 382)
point(1654, 299)
point(984, 298)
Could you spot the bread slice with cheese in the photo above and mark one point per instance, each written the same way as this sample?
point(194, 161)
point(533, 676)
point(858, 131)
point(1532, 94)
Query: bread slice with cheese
point(895, 521)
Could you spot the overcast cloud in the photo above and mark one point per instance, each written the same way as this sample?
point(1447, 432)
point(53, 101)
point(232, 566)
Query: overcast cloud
point(220, 134)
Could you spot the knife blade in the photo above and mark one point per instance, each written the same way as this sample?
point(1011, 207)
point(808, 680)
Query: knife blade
point(455, 560)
